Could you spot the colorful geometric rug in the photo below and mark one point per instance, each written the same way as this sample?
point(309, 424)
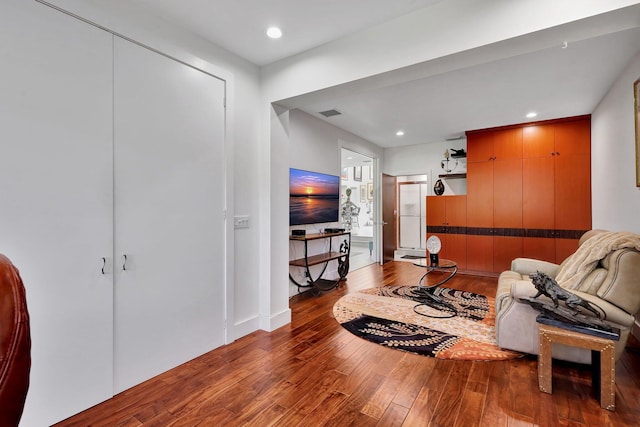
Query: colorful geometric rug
point(398, 317)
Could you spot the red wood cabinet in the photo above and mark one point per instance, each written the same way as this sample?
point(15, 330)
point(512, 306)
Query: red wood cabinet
point(494, 198)
point(494, 179)
point(528, 192)
point(479, 193)
point(447, 211)
point(507, 193)
point(446, 217)
point(480, 253)
point(556, 185)
point(538, 193)
point(537, 140)
point(454, 247)
point(503, 144)
point(436, 210)
point(482, 147)
point(505, 250)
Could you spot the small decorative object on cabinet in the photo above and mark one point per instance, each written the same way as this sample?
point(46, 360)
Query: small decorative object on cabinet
point(323, 259)
point(438, 188)
point(458, 153)
point(433, 246)
point(444, 164)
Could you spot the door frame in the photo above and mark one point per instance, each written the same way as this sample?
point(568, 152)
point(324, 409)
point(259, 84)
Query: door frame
point(375, 206)
point(388, 181)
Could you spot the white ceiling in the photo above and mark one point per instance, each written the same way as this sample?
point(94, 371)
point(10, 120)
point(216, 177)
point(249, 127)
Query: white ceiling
point(555, 82)
point(240, 25)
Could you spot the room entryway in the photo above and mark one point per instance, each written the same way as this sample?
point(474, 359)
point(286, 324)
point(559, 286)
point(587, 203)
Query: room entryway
point(358, 206)
point(412, 192)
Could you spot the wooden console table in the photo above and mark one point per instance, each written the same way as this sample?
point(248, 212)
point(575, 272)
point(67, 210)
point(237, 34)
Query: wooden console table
point(341, 255)
point(603, 364)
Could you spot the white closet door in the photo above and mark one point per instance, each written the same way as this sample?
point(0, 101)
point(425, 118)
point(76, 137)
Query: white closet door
point(56, 200)
point(169, 186)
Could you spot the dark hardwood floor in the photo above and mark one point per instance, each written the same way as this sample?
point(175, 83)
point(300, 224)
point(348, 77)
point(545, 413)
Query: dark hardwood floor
point(313, 373)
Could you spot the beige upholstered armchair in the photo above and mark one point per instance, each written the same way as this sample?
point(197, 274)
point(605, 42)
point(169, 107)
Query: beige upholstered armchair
point(605, 270)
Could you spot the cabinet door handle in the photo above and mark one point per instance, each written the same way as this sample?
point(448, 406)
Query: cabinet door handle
point(104, 263)
point(124, 262)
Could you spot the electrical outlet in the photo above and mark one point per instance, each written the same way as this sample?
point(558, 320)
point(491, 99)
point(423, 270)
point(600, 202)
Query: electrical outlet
point(241, 221)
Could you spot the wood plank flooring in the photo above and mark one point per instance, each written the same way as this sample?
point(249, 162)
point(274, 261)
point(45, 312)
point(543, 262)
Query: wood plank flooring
point(314, 373)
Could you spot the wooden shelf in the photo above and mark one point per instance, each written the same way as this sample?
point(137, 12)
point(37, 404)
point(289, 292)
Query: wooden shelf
point(316, 259)
point(452, 175)
point(317, 236)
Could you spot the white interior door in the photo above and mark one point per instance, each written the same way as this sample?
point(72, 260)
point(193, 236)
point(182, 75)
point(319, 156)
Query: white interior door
point(169, 222)
point(413, 215)
point(409, 201)
point(56, 191)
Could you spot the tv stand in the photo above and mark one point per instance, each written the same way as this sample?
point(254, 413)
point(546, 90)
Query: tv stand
point(342, 255)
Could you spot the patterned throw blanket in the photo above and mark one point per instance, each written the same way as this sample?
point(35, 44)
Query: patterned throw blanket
point(592, 251)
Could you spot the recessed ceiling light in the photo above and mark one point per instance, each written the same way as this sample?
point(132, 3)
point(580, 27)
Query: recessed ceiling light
point(531, 115)
point(350, 158)
point(400, 133)
point(274, 32)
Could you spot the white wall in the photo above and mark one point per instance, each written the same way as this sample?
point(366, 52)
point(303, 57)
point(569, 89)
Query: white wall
point(615, 197)
point(425, 159)
point(315, 145)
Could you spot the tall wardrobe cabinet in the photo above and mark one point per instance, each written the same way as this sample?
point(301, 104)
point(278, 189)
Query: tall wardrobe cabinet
point(528, 192)
point(556, 186)
point(112, 206)
point(494, 199)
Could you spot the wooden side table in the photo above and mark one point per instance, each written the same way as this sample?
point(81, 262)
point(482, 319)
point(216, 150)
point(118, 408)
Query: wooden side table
point(603, 362)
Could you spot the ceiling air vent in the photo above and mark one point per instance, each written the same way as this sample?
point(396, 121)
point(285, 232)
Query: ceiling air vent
point(330, 113)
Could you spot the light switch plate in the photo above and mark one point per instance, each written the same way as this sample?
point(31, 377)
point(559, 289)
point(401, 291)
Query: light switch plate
point(241, 221)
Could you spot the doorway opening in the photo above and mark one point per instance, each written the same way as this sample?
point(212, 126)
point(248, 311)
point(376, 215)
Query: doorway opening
point(358, 206)
point(412, 227)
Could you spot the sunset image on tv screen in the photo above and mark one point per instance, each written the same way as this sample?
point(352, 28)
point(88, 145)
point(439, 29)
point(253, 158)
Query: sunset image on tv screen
point(313, 197)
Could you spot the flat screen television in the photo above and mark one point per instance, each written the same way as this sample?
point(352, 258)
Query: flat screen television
point(314, 197)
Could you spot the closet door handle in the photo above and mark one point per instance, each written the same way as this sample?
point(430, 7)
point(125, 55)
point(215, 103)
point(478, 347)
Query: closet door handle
point(104, 264)
point(124, 262)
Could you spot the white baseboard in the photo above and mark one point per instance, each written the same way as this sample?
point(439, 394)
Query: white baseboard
point(273, 322)
point(246, 327)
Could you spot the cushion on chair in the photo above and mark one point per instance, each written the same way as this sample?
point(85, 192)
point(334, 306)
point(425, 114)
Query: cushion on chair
point(623, 269)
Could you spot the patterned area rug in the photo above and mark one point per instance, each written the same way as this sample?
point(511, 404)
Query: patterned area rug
point(462, 328)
